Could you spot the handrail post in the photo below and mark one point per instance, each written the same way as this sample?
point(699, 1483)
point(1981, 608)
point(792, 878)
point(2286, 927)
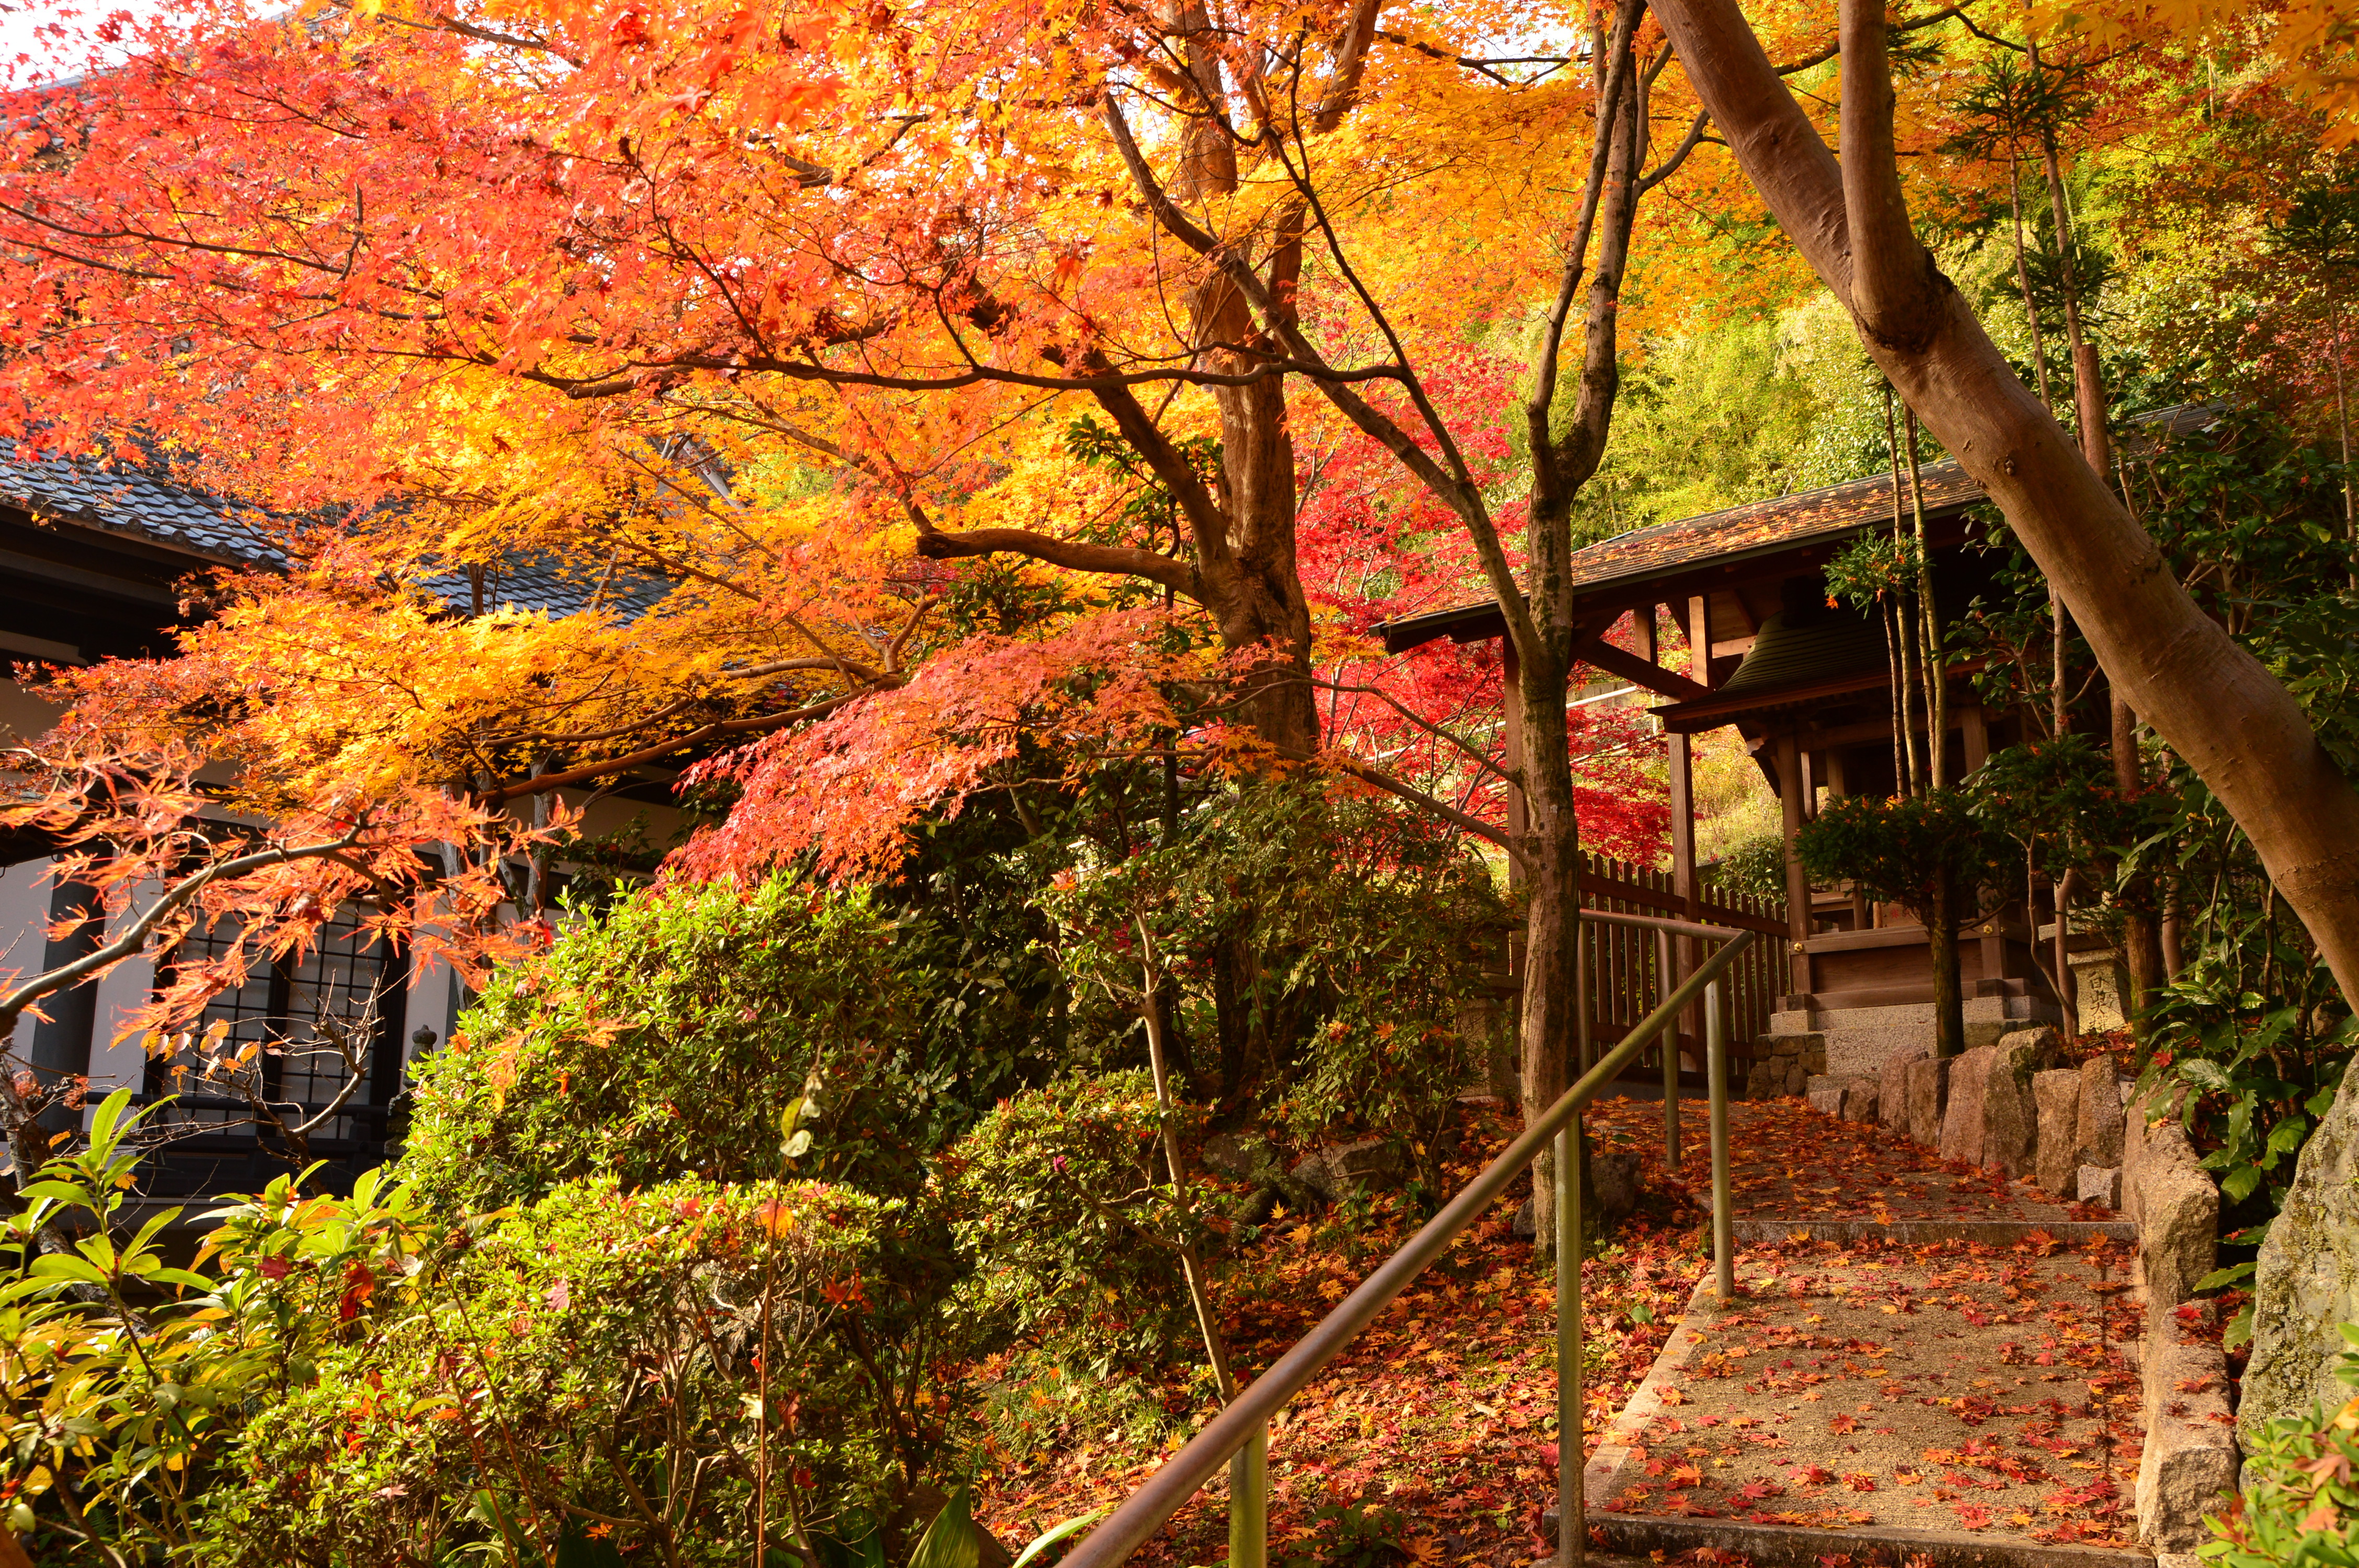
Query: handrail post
point(1715, 1034)
point(1670, 1054)
point(1571, 1525)
point(1249, 1502)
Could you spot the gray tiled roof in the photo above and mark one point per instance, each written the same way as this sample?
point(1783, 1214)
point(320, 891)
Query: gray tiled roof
point(121, 499)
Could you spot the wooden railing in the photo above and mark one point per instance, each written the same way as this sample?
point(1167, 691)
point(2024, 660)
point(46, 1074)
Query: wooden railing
point(1626, 964)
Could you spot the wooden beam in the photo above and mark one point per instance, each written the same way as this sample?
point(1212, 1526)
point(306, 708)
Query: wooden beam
point(1638, 671)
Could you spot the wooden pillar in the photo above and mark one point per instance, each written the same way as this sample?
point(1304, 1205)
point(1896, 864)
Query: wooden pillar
point(1838, 786)
point(1682, 780)
point(1975, 724)
point(1798, 886)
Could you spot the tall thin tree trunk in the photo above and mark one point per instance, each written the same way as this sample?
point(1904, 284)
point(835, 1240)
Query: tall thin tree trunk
point(1551, 988)
point(1904, 706)
point(1191, 1268)
point(2060, 715)
point(1937, 681)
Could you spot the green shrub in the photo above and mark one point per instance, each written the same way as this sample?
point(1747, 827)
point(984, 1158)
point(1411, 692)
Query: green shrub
point(1347, 933)
point(594, 1366)
point(1756, 866)
point(115, 1417)
point(666, 1039)
point(2301, 1497)
point(1074, 1229)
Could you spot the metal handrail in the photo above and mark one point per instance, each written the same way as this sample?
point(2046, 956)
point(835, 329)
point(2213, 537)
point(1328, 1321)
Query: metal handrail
point(1245, 1420)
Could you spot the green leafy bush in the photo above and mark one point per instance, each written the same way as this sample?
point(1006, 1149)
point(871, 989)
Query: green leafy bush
point(666, 1039)
point(2256, 1086)
point(125, 1381)
point(1074, 1228)
point(652, 1369)
point(2300, 1502)
point(1348, 934)
point(1756, 866)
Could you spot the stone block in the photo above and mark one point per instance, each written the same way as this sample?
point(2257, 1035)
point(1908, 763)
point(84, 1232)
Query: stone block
point(2307, 1278)
point(2028, 1051)
point(1892, 1086)
point(1929, 1099)
point(2177, 1210)
point(2099, 1184)
point(1961, 1118)
point(2010, 1110)
point(2189, 1460)
point(1613, 1181)
point(1847, 1098)
point(2097, 1135)
point(2058, 1094)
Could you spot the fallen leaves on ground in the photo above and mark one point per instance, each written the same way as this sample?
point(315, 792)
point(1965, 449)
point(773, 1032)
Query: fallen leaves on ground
point(1443, 1410)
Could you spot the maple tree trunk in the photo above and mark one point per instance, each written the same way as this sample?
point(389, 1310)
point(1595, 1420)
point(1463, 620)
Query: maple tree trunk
point(1547, 637)
point(2215, 703)
point(1552, 979)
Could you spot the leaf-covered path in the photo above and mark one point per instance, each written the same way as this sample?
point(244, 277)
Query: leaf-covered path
point(1979, 1365)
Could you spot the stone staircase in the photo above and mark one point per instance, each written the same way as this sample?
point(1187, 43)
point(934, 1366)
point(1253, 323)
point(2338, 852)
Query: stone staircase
point(1929, 1364)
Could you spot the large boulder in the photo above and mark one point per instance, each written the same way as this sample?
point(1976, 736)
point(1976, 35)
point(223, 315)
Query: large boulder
point(2307, 1278)
point(1372, 1163)
point(2099, 1130)
point(2058, 1093)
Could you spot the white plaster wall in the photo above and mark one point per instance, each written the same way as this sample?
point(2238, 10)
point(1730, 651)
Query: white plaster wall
point(23, 919)
point(120, 1065)
point(429, 1005)
point(21, 713)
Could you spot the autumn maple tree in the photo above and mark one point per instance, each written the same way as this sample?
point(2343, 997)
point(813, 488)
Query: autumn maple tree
point(774, 338)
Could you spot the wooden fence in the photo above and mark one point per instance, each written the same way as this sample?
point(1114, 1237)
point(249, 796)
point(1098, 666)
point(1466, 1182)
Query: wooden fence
point(1624, 963)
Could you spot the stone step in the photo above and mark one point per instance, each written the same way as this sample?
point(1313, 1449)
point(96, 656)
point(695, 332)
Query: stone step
point(1800, 1546)
point(1978, 1008)
point(1861, 1053)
